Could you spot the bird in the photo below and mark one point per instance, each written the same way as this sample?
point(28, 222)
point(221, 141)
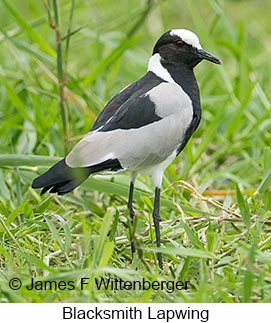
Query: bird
point(142, 128)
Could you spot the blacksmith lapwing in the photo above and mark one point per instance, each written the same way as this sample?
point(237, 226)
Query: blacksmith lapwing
point(144, 127)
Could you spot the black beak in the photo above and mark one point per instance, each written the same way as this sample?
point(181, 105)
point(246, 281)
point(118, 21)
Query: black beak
point(209, 57)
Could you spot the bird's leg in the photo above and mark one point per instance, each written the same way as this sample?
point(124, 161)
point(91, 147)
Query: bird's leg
point(130, 207)
point(156, 220)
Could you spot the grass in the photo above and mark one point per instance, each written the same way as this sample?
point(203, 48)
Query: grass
point(216, 202)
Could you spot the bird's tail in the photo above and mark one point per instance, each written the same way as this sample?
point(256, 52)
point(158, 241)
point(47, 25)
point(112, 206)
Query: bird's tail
point(62, 179)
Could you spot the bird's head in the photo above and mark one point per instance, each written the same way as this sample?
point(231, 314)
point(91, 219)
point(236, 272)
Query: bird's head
point(181, 46)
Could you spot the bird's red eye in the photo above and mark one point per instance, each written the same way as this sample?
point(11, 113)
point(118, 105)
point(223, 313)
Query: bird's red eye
point(179, 43)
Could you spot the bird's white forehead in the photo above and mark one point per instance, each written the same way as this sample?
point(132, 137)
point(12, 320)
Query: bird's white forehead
point(187, 36)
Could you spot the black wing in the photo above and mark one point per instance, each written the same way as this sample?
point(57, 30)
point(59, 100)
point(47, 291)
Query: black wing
point(147, 82)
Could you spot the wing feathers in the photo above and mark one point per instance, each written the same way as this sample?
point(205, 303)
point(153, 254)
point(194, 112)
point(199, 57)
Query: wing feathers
point(133, 148)
point(147, 82)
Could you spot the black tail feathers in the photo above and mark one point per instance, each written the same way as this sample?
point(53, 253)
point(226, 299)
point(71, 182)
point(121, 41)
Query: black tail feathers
point(62, 179)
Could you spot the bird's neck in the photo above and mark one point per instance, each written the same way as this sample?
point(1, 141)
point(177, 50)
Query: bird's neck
point(179, 73)
point(184, 76)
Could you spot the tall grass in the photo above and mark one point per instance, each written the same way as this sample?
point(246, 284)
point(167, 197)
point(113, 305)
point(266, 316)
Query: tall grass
point(215, 203)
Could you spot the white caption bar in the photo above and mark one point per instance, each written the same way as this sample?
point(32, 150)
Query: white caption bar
point(137, 312)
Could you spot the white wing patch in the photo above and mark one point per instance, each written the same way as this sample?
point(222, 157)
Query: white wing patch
point(175, 101)
point(187, 36)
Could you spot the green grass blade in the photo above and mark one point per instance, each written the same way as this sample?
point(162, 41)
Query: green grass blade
point(107, 253)
point(192, 236)
point(110, 58)
point(33, 260)
point(15, 160)
point(265, 183)
point(34, 36)
point(243, 206)
point(184, 252)
point(55, 234)
point(101, 242)
point(29, 49)
point(18, 104)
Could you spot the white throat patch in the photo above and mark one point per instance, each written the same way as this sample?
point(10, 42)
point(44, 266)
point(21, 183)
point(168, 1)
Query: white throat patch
point(157, 68)
point(187, 36)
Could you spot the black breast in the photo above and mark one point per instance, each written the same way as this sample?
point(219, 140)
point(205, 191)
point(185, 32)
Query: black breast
point(185, 77)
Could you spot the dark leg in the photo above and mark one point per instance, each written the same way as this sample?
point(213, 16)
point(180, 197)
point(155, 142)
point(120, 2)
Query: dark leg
point(130, 207)
point(156, 220)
